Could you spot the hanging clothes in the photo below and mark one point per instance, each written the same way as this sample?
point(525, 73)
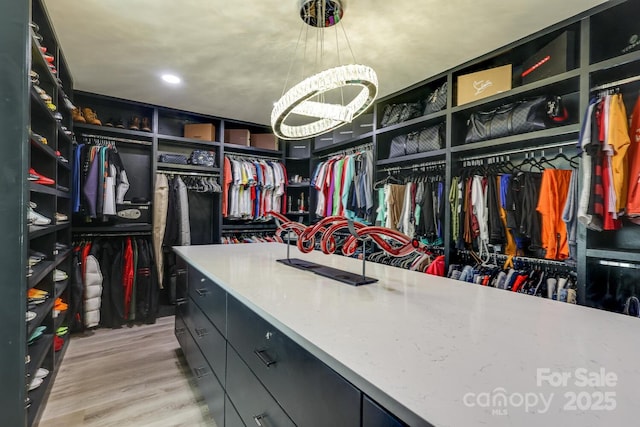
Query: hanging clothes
point(344, 186)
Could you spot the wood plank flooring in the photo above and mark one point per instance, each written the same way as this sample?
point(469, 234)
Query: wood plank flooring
point(125, 377)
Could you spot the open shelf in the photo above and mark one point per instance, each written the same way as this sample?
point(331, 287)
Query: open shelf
point(121, 228)
point(39, 102)
point(426, 120)
point(541, 136)
point(40, 271)
point(44, 148)
point(427, 155)
point(189, 141)
point(41, 312)
point(58, 321)
point(44, 189)
point(38, 351)
point(343, 144)
point(62, 256)
point(60, 287)
point(108, 130)
point(38, 58)
point(241, 149)
point(36, 231)
point(192, 168)
point(616, 254)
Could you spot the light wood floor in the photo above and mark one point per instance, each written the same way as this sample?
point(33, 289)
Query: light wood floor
point(125, 377)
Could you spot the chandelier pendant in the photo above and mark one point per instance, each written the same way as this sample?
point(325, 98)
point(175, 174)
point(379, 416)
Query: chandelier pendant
point(307, 97)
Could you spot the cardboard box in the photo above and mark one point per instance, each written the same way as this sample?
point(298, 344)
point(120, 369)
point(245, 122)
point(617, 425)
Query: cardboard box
point(555, 58)
point(237, 136)
point(203, 131)
point(267, 141)
point(482, 84)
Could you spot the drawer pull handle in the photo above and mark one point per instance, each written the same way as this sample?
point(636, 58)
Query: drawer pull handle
point(201, 332)
point(181, 272)
point(179, 331)
point(181, 301)
point(264, 357)
point(201, 372)
point(259, 419)
point(202, 279)
point(202, 292)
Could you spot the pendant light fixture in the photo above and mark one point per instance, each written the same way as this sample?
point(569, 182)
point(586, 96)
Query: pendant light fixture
point(325, 100)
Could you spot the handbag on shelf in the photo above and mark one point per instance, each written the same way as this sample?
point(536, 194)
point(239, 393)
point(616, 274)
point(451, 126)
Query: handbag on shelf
point(431, 138)
point(437, 100)
point(176, 159)
point(398, 113)
point(515, 118)
point(203, 158)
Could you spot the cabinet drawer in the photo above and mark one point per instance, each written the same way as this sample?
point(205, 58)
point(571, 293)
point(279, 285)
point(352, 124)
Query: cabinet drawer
point(231, 417)
point(288, 371)
point(374, 415)
point(210, 297)
point(210, 389)
point(211, 342)
point(254, 404)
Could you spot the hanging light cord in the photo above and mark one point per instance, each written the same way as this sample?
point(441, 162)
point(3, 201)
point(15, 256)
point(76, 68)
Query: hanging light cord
point(293, 58)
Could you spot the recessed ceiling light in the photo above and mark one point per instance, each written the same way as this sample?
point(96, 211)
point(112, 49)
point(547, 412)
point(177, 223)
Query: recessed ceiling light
point(171, 78)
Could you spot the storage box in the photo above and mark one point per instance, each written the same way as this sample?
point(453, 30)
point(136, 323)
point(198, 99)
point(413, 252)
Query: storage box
point(482, 84)
point(342, 133)
point(133, 213)
point(323, 141)
point(268, 141)
point(362, 124)
point(237, 136)
point(203, 131)
point(555, 58)
point(299, 149)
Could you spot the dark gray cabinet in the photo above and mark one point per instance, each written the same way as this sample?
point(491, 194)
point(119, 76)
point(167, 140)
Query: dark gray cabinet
point(373, 415)
point(253, 402)
point(250, 373)
point(311, 392)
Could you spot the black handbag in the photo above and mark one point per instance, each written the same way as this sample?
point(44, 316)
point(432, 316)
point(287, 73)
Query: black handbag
point(398, 113)
point(509, 119)
point(437, 100)
point(431, 138)
point(203, 158)
point(176, 159)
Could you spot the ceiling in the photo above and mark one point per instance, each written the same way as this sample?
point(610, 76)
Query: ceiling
point(234, 56)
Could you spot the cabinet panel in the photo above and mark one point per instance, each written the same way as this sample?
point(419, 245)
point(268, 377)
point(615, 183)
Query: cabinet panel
point(231, 417)
point(374, 415)
point(254, 404)
point(287, 370)
point(208, 384)
point(210, 297)
point(211, 342)
point(180, 331)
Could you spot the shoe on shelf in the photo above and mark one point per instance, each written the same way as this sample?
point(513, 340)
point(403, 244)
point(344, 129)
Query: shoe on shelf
point(57, 343)
point(146, 124)
point(119, 123)
point(76, 116)
point(61, 246)
point(57, 116)
point(43, 94)
point(35, 383)
point(632, 307)
point(109, 122)
point(37, 219)
point(41, 373)
point(38, 138)
point(62, 331)
point(31, 315)
point(36, 334)
point(91, 117)
point(37, 293)
point(69, 104)
point(35, 77)
point(60, 305)
point(59, 275)
point(49, 58)
point(51, 106)
point(134, 123)
point(61, 217)
point(39, 178)
point(61, 157)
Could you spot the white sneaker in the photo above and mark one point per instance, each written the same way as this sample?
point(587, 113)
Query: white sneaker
point(59, 275)
point(37, 219)
point(30, 316)
point(42, 373)
point(61, 217)
point(35, 383)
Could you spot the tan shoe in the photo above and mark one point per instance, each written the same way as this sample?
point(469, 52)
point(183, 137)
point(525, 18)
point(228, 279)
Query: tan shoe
point(146, 124)
point(134, 123)
point(76, 115)
point(91, 117)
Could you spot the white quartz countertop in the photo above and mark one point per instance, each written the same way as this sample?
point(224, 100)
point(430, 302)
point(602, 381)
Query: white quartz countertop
point(434, 350)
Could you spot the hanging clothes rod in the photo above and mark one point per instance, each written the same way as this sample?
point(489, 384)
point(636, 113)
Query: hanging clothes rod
point(253, 156)
point(133, 233)
point(619, 264)
point(249, 230)
point(347, 151)
point(211, 174)
point(529, 260)
point(414, 166)
point(107, 139)
point(616, 83)
point(521, 150)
